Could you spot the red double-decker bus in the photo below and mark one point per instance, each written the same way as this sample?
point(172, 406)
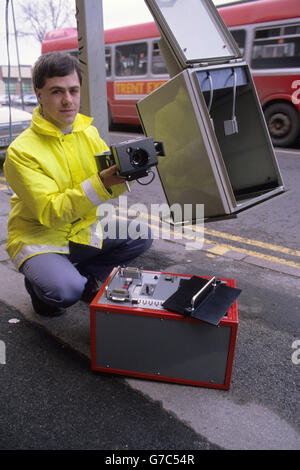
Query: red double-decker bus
point(267, 33)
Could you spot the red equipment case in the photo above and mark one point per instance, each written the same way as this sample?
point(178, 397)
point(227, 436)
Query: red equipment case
point(153, 343)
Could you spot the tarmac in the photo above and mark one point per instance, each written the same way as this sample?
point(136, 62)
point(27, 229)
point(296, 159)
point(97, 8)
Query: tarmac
point(249, 416)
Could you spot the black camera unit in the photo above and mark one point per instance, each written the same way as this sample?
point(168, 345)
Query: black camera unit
point(133, 158)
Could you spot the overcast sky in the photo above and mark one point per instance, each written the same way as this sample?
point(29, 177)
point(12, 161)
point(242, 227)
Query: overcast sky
point(115, 13)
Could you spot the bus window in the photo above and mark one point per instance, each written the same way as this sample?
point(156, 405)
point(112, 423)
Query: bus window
point(108, 61)
point(239, 35)
point(158, 66)
point(293, 29)
point(131, 59)
point(74, 53)
point(276, 47)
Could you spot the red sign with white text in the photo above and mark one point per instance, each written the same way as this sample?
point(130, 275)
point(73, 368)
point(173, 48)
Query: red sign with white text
point(136, 89)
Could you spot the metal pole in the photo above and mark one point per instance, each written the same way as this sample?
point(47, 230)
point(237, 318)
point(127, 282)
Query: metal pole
point(90, 29)
point(17, 51)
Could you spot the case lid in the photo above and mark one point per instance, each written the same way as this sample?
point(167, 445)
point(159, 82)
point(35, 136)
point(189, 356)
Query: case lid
point(194, 31)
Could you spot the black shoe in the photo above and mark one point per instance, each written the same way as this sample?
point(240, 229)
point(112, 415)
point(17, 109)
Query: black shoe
point(91, 289)
point(40, 307)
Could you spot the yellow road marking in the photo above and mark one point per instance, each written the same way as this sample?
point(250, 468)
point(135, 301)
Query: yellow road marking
point(222, 248)
point(219, 250)
point(249, 241)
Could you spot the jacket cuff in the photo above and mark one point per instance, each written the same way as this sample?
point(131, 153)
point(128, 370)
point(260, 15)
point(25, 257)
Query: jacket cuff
point(95, 190)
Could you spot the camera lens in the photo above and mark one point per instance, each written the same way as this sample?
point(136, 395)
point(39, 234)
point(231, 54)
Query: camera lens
point(139, 157)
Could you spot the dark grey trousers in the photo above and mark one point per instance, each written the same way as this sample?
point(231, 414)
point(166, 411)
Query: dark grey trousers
point(59, 280)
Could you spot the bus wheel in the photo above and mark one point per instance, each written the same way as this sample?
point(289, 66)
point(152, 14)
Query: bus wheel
point(283, 124)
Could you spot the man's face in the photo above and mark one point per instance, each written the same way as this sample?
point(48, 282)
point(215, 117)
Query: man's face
point(60, 100)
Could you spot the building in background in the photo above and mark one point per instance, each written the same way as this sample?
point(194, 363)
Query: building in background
point(15, 81)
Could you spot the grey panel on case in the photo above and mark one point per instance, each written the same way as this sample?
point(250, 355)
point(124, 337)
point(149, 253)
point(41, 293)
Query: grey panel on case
point(221, 78)
point(186, 172)
point(169, 348)
point(160, 290)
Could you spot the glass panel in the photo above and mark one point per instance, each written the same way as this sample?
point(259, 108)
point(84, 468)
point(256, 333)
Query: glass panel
point(131, 59)
point(276, 53)
point(27, 87)
point(280, 52)
point(294, 29)
point(239, 35)
point(12, 86)
point(195, 27)
point(267, 33)
point(108, 61)
point(74, 53)
point(158, 64)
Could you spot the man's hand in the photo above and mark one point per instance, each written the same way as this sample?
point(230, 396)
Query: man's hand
point(109, 176)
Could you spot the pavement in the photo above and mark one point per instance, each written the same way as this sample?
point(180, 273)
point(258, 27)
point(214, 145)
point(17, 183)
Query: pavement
point(261, 410)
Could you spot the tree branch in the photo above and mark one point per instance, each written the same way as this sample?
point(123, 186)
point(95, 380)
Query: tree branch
point(45, 15)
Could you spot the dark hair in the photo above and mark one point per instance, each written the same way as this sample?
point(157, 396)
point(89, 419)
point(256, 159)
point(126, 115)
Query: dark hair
point(54, 64)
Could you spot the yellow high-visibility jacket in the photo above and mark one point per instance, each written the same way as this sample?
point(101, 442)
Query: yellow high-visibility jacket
point(57, 188)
